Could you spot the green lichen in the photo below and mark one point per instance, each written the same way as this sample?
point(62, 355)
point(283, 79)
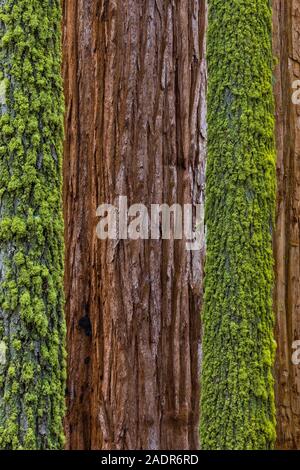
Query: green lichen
point(237, 407)
point(32, 325)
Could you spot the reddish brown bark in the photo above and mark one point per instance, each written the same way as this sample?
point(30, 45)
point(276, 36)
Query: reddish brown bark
point(79, 202)
point(135, 83)
point(287, 235)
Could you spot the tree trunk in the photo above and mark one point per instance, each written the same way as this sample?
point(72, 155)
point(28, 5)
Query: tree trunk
point(238, 410)
point(79, 210)
point(135, 90)
point(32, 326)
point(287, 236)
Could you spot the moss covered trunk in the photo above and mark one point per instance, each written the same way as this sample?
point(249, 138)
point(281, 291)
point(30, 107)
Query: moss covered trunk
point(287, 235)
point(135, 88)
point(238, 410)
point(32, 328)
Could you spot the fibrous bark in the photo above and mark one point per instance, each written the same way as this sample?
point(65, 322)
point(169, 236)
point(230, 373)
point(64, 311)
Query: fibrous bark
point(32, 326)
point(135, 90)
point(286, 21)
point(238, 410)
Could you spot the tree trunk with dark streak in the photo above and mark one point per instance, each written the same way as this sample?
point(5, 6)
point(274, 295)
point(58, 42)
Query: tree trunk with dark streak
point(135, 79)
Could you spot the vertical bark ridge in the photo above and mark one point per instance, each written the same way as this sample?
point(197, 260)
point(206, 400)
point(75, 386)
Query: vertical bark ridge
point(286, 20)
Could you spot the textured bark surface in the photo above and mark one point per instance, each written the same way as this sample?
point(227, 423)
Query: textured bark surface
point(79, 204)
point(135, 81)
point(287, 236)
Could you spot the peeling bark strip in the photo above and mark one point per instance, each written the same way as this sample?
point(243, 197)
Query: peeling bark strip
point(32, 326)
point(286, 19)
point(135, 81)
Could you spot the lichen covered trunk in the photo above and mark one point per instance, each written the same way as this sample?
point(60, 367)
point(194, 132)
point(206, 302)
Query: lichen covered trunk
point(238, 410)
point(286, 21)
point(32, 328)
point(137, 116)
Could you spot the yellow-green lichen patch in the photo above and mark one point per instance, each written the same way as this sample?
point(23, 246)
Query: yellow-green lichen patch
point(31, 226)
point(237, 405)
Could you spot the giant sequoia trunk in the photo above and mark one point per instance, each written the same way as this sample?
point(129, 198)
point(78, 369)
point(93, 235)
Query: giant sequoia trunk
point(32, 327)
point(238, 409)
point(287, 236)
point(135, 94)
